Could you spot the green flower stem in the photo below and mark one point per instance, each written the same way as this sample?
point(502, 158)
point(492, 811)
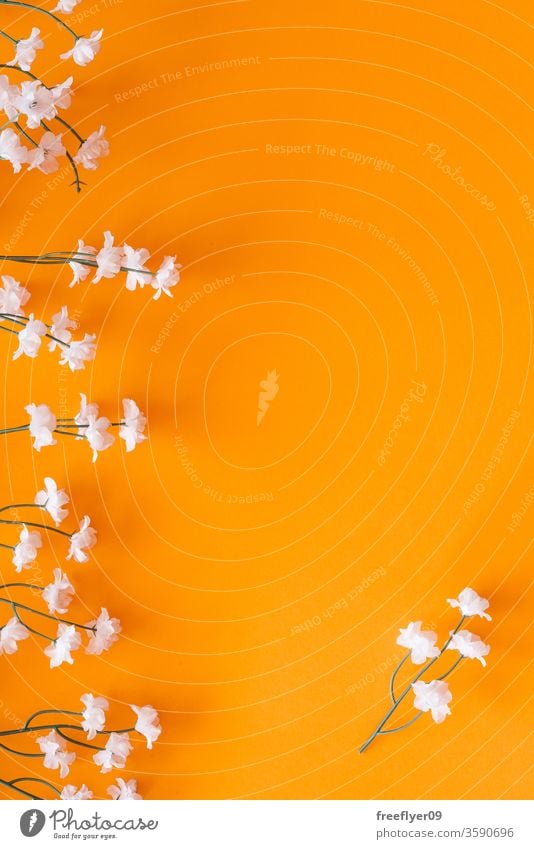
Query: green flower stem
point(29, 627)
point(23, 324)
point(23, 132)
point(24, 754)
point(12, 786)
point(77, 181)
point(408, 688)
point(20, 584)
point(80, 742)
point(14, 429)
point(3, 545)
point(43, 12)
point(37, 781)
point(17, 604)
point(68, 256)
point(455, 664)
point(9, 37)
point(392, 681)
point(402, 727)
point(51, 710)
point(36, 525)
point(55, 726)
point(21, 506)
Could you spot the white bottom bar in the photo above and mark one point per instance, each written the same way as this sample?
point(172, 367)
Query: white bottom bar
point(269, 825)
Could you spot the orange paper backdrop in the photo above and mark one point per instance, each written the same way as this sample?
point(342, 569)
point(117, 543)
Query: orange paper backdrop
point(349, 188)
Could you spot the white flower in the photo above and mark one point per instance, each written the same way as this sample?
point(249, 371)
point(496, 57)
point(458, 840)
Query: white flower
point(117, 749)
point(58, 595)
point(97, 435)
point(135, 259)
point(421, 643)
point(85, 538)
point(166, 277)
point(59, 650)
point(55, 753)
point(433, 697)
point(469, 645)
point(81, 271)
point(36, 102)
point(94, 717)
point(470, 604)
point(85, 49)
point(106, 633)
point(26, 550)
point(30, 338)
point(53, 500)
point(134, 424)
point(66, 6)
point(124, 789)
point(8, 95)
point(87, 412)
point(42, 425)
point(79, 352)
point(12, 149)
point(70, 791)
point(62, 94)
point(26, 49)
point(108, 258)
point(147, 724)
point(92, 149)
point(10, 634)
point(13, 296)
point(61, 327)
point(44, 156)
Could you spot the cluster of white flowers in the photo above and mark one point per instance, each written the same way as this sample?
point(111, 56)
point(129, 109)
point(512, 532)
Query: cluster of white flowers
point(434, 696)
point(111, 259)
point(30, 103)
point(73, 353)
point(88, 424)
point(112, 755)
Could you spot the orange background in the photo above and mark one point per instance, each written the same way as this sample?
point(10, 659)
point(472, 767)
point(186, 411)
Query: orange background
point(211, 590)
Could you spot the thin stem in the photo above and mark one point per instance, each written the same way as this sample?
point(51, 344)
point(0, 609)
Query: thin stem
point(79, 742)
point(394, 675)
point(24, 754)
point(409, 687)
point(11, 785)
point(401, 727)
point(37, 781)
point(20, 584)
point(77, 181)
point(70, 128)
point(21, 130)
point(455, 664)
point(50, 710)
point(28, 627)
point(9, 37)
point(3, 545)
point(47, 615)
point(35, 525)
point(20, 427)
point(43, 12)
point(21, 506)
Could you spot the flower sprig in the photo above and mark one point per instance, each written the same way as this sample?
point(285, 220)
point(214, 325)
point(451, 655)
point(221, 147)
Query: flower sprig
point(434, 696)
point(88, 424)
point(31, 331)
point(108, 261)
point(91, 720)
point(30, 104)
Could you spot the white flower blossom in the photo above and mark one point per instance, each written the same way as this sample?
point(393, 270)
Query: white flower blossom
point(13, 150)
point(94, 717)
point(471, 604)
point(67, 640)
point(56, 755)
point(61, 328)
point(469, 645)
point(79, 269)
point(26, 50)
point(13, 296)
point(10, 634)
point(93, 148)
point(44, 156)
point(106, 633)
point(147, 723)
point(85, 49)
point(30, 338)
point(117, 749)
point(134, 424)
point(70, 791)
point(124, 789)
point(26, 550)
point(433, 697)
point(53, 500)
point(108, 258)
point(134, 259)
point(42, 425)
point(79, 352)
point(83, 539)
point(59, 594)
point(166, 277)
point(421, 643)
